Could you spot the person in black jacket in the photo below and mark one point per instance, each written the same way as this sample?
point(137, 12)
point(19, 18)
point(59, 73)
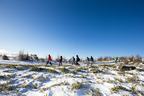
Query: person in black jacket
point(73, 60)
point(116, 60)
point(91, 60)
point(88, 61)
point(77, 60)
point(60, 61)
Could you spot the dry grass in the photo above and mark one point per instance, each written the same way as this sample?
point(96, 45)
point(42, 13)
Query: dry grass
point(76, 85)
point(133, 79)
point(64, 70)
point(7, 87)
point(81, 69)
point(6, 77)
point(54, 85)
point(36, 69)
point(118, 88)
point(96, 92)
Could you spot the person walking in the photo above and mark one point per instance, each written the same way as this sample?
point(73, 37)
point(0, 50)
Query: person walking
point(60, 61)
point(73, 61)
point(91, 60)
point(49, 61)
point(116, 60)
point(77, 60)
point(88, 61)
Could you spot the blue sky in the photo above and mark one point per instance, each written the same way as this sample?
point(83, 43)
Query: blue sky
point(70, 27)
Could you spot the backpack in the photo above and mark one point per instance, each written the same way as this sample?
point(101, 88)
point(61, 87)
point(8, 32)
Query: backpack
point(78, 59)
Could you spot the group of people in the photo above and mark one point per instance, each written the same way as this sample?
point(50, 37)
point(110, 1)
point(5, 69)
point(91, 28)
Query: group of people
point(49, 60)
point(90, 61)
point(74, 60)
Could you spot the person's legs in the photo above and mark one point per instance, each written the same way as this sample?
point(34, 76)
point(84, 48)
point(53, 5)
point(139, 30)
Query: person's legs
point(87, 63)
point(47, 62)
point(73, 62)
point(61, 63)
point(91, 63)
point(77, 63)
point(50, 63)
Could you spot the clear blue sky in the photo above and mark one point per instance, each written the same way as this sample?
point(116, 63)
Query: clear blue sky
point(70, 27)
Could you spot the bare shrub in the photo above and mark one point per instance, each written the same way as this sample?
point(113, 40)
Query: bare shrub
point(5, 57)
point(23, 57)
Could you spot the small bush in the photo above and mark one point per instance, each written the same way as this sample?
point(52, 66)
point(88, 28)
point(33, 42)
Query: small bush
point(119, 80)
point(5, 57)
point(133, 89)
point(96, 92)
point(82, 76)
point(81, 69)
point(118, 88)
point(6, 77)
point(55, 85)
point(28, 76)
point(43, 70)
point(52, 71)
point(30, 85)
point(94, 70)
point(64, 70)
point(10, 66)
point(7, 87)
point(23, 57)
point(21, 67)
point(133, 79)
point(76, 85)
point(42, 78)
point(74, 72)
point(112, 81)
point(3, 77)
point(34, 57)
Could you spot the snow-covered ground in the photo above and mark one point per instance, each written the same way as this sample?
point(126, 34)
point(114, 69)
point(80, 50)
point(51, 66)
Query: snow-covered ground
point(69, 80)
point(19, 62)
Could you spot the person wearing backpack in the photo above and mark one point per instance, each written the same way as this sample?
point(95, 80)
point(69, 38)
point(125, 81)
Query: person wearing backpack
point(91, 60)
point(77, 60)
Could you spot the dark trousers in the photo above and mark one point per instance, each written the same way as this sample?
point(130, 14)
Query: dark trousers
point(49, 62)
point(73, 62)
point(60, 63)
point(77, 63)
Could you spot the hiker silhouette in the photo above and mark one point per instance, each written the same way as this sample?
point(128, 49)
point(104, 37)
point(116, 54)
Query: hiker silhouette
point(60, 61)
point(49, 61)
point(91, 60)
point(77, 60)
point(73, 60)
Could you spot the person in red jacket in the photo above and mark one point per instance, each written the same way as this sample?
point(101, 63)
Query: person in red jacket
point(49, 61)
